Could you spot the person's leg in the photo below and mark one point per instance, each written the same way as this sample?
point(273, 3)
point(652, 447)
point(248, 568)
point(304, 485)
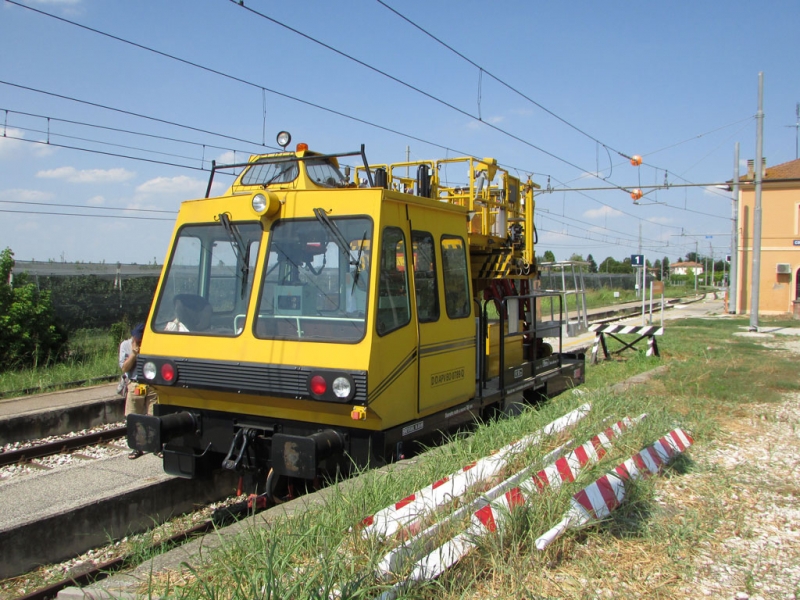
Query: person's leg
point(134, 404)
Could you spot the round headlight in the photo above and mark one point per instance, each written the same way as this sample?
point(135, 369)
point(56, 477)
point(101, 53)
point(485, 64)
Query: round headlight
point(149, 370)
point(259, 203)
point(284, 139)
point(341, 387)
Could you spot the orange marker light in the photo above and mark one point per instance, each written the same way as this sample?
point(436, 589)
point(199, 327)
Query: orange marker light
point(301, 147)
point(636, 194)
point(636, 160)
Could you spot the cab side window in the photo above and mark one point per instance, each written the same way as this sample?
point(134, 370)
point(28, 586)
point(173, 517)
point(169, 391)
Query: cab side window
point(393, 303)
point(427, 289)
point(455, 277)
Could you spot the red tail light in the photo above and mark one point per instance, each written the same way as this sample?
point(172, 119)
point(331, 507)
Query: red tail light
point(167, 372)
point(318, 385)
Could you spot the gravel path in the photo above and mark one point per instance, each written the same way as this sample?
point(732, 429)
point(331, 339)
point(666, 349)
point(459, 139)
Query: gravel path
point(754, 551)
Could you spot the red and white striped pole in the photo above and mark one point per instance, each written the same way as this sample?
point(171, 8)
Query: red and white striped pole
point(408, 511)
point(597, 500)
point(494, 505)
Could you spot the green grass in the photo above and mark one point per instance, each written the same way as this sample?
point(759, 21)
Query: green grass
point(90, 354)
point(711, 375)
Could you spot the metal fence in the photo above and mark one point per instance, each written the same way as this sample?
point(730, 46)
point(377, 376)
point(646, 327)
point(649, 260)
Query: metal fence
point(596, 281)
point(93, 295)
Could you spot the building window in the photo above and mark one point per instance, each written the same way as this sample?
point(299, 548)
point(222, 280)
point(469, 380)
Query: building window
point(797, 286)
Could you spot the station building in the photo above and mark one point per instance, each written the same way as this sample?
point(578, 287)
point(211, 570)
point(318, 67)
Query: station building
point(779, 291)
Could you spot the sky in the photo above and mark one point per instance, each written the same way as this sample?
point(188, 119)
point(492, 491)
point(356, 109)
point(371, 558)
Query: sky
point(111, 112)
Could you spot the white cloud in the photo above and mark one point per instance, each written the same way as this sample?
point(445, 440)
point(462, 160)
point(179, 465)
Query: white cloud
point(96, 201)
point(603, 211)
point(13, 145)
point(182, 186)
point(25, 195)
point(661, 220)
point(73, 175)
point(230, 158)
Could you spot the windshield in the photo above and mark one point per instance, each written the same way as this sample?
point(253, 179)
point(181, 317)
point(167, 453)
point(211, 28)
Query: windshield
point(264, 172)
point(285, 170)
point(208, 282)
point(315, 286)
point(325, 174)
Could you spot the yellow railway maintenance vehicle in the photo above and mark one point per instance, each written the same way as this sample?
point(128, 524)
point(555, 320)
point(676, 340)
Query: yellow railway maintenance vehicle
point(305, 324)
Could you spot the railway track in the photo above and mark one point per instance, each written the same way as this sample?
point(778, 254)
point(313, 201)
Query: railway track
point(106, 569)
point(22, 455)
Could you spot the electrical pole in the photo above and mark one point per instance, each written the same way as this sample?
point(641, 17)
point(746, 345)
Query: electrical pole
point(796, 132)
point(755, 278)
point(733, 294)
point(711, 250)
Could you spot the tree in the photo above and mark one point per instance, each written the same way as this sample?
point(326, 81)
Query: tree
point(29, 334)
point(592, 264)
point(549, 256)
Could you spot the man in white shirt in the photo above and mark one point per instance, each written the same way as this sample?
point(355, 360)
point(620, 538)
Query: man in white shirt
point(140, 398)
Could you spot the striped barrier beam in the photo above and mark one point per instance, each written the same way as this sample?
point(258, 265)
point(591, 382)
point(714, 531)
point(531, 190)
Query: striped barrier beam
point(638, 329)
point(495, 504)
point(411, 508)
point(597, 500)
point(643, 331)
point(423, 541)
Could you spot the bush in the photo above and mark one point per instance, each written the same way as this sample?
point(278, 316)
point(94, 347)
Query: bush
point(29, 334)
point(121, 330)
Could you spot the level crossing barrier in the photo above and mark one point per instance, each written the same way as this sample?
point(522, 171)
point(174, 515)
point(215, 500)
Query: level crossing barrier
point(648, 332)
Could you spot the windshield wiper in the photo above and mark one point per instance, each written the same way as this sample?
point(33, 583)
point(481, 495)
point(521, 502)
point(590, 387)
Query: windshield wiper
point(357, 270)
point(338, 238)
point(240, 249)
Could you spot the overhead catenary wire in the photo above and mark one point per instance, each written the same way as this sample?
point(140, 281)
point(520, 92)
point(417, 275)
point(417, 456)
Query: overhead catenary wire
point(61, 214)
point(234, 78)
point(103, 153)
point(263, 89)
point(202, 168)
point(299, 100)
point(497, 79)
point(120, 130)
point(482, 69)
point(52, 134)
point(414, 88)
point(120, 110)
point(29, 202)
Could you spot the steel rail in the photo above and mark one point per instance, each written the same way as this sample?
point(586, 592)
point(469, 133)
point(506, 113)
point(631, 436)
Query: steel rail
point(106, 569)
point(22, 455)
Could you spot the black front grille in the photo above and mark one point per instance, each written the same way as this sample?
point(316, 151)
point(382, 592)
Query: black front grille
point(253, 378)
